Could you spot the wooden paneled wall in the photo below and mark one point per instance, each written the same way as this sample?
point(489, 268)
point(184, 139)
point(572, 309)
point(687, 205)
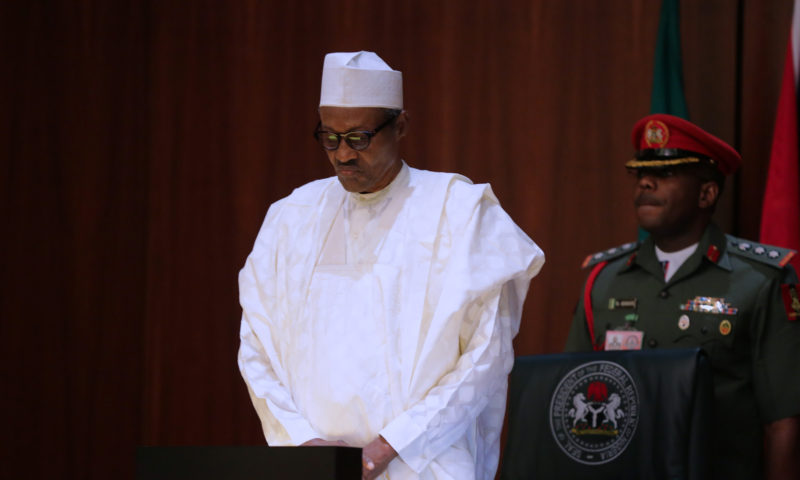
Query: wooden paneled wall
point(143, 140)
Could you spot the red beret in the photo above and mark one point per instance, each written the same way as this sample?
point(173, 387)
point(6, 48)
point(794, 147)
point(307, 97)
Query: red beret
point(663, 140)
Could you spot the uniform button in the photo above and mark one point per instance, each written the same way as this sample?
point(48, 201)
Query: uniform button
point(652, 343)
point(704, 330)
point(663, 294)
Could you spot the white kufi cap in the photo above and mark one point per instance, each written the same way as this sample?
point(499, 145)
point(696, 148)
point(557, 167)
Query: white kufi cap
point(360, 79)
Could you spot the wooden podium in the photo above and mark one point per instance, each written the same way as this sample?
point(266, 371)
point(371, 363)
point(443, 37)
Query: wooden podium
point(248, 463)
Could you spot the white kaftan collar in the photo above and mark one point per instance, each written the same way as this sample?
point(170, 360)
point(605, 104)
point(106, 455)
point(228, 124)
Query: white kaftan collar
point(401, 179)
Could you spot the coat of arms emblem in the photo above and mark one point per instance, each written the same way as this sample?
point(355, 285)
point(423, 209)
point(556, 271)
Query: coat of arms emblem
point(594, 412)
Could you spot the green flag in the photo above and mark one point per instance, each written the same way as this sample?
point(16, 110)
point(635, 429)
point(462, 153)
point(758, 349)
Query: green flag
point(667, 95)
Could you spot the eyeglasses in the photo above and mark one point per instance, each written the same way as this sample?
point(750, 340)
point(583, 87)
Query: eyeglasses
point(357, 139)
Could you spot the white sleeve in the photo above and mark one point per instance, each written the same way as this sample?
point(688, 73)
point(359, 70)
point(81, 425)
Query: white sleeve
point(259, 359)
point(424, 431)
point(485, 289)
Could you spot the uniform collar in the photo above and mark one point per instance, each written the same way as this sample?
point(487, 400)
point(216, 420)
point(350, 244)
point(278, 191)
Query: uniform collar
point(712, 249)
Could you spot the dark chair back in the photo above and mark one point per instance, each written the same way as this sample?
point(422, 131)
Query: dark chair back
point(610, 415)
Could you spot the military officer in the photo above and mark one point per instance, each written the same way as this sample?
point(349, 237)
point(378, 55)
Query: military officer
point(688, 284)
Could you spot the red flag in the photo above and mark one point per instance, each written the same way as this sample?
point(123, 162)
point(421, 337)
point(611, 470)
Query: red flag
point(780, 214)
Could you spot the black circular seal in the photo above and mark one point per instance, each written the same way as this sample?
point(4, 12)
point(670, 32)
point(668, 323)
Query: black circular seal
point(594, 412)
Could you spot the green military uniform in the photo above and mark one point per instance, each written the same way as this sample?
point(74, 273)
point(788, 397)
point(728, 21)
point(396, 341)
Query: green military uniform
point(731, 297)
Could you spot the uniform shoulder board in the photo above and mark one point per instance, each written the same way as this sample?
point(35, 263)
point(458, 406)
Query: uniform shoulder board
point(777, 257)
point(609, 254)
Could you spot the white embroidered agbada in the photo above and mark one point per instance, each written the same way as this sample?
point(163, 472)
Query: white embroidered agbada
point(390, 313)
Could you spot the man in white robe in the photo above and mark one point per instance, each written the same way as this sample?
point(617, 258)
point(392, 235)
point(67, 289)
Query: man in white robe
point(379, 306)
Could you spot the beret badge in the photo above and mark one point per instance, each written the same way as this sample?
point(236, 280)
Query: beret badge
point(656, 134)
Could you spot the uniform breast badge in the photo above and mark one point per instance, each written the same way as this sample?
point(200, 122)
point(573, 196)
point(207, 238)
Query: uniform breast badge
point(725, 327)
point(712, 305)
point(621, 303)
point(626, 337)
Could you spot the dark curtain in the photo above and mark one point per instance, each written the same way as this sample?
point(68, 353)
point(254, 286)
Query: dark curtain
point(142, 142)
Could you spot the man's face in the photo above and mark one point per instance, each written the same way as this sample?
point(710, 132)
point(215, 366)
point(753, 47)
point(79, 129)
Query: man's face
point(375, 167)
point(667, 201)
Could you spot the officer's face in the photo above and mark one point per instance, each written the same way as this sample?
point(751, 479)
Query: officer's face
point(373, 168)
point(668, 201)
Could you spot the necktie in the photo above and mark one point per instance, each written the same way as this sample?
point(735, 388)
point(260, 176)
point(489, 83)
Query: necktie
point(665, 266)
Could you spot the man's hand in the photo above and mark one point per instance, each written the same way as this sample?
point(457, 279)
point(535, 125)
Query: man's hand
point(375, 457)
point(781, 447)
point(318, 442)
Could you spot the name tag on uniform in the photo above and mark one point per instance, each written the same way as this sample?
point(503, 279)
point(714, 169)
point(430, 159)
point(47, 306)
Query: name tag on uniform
point(624, 339)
